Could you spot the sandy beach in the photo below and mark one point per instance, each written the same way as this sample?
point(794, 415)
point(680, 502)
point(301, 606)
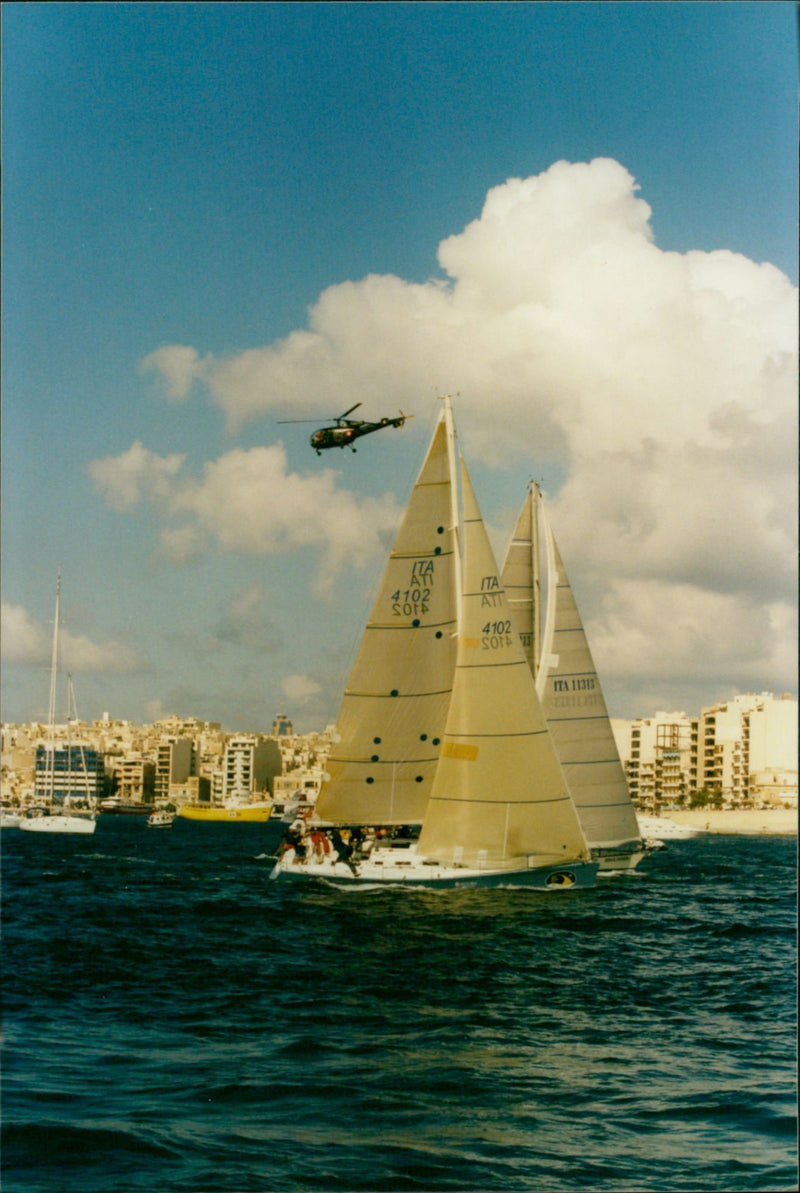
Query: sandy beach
point(780, 822)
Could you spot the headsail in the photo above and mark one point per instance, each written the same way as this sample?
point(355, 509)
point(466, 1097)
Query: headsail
point(521, 581)
point(499, 797)
point(570, 690)
point(393, 712)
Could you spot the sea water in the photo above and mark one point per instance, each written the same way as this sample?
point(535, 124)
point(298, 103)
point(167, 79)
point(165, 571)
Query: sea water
point(175, 1021)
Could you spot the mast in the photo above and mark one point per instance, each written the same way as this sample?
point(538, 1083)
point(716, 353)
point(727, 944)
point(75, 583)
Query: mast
point(536, 644)
point(50, 747)
point(545, 660)
point(455, 515)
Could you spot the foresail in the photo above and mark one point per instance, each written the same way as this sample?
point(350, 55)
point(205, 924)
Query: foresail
point(578, 718)
point(521, 581)
point(499, 797)
point(393, 713)
point(569, 686)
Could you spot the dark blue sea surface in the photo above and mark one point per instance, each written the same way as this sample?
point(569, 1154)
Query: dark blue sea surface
point(175, 1021)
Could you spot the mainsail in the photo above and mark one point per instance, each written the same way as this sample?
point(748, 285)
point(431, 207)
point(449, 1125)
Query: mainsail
point(394, 708)
point(499, 798)
point(569, 686)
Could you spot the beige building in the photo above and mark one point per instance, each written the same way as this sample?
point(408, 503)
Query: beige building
point(135, 779)
point(175, 763)
point(773, 735)
point(741, 751)
point(196, 790)
point(250, 763)
point(656, 754)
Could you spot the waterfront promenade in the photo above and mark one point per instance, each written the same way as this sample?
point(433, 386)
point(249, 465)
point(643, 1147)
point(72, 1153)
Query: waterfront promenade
point(778, 822)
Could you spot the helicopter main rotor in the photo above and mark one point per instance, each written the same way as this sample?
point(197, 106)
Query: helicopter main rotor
point(337, 418)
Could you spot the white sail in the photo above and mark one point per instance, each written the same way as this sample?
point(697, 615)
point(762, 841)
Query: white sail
point(570, 688)
point(440, 725)
point(395, 704)
point(521, 582)
point(499, 798)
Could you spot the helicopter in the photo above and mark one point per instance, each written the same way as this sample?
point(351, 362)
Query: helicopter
point(345, 429)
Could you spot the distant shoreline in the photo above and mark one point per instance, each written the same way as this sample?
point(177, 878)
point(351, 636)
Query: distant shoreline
point(773, 822)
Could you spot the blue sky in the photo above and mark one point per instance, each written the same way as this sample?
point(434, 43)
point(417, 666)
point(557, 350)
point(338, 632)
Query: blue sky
point(196, 187)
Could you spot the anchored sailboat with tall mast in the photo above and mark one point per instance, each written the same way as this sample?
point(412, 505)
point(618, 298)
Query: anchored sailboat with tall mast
point(444, 772)
point(55, 777)
point(569, 688)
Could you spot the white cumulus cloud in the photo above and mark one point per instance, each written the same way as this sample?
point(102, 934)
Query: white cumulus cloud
point(179, 366)
point(659, 638)
point(249, 502)
point(26, 641)
point(663, 386)
point(123, 480)
point(299, 689)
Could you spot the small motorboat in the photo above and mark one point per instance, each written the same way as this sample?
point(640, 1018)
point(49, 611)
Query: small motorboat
point(160, 819)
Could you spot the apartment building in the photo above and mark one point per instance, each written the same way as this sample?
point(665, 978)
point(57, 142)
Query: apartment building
point(656, 755)
point(196, 790)
point(135, 779)
point(250, 763)
point(175, 762)
point(741, 751)
point(68, 772)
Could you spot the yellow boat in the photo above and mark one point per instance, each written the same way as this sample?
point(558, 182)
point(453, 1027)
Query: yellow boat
point(248, 813)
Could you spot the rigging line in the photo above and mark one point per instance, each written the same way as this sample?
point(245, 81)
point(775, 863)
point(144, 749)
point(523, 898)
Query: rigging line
point(587, 761)
point(361, 761)
point(499, 803)
point(494, 592)
point(489, 736)
point(568, 720)
point(399, 696)
point(617, 804)
point(440, 554)
point(575, 674)
point(491, 666)
point(428, 625)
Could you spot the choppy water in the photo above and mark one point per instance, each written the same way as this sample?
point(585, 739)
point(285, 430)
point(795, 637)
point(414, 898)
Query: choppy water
point(176, 1022)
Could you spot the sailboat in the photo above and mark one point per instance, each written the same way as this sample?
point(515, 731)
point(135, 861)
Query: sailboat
point(568, 688)
point(57, 818)
point(444, 772)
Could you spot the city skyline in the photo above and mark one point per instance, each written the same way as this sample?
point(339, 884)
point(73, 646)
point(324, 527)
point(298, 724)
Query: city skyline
point(581, 218)
point(741, 749)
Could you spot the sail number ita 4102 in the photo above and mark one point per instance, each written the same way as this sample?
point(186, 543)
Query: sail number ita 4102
point(411, 600)
point(496, 634)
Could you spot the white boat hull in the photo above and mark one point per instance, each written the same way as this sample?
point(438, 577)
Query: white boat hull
point(664, 829)
point(406, 867)
point(58, 824)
